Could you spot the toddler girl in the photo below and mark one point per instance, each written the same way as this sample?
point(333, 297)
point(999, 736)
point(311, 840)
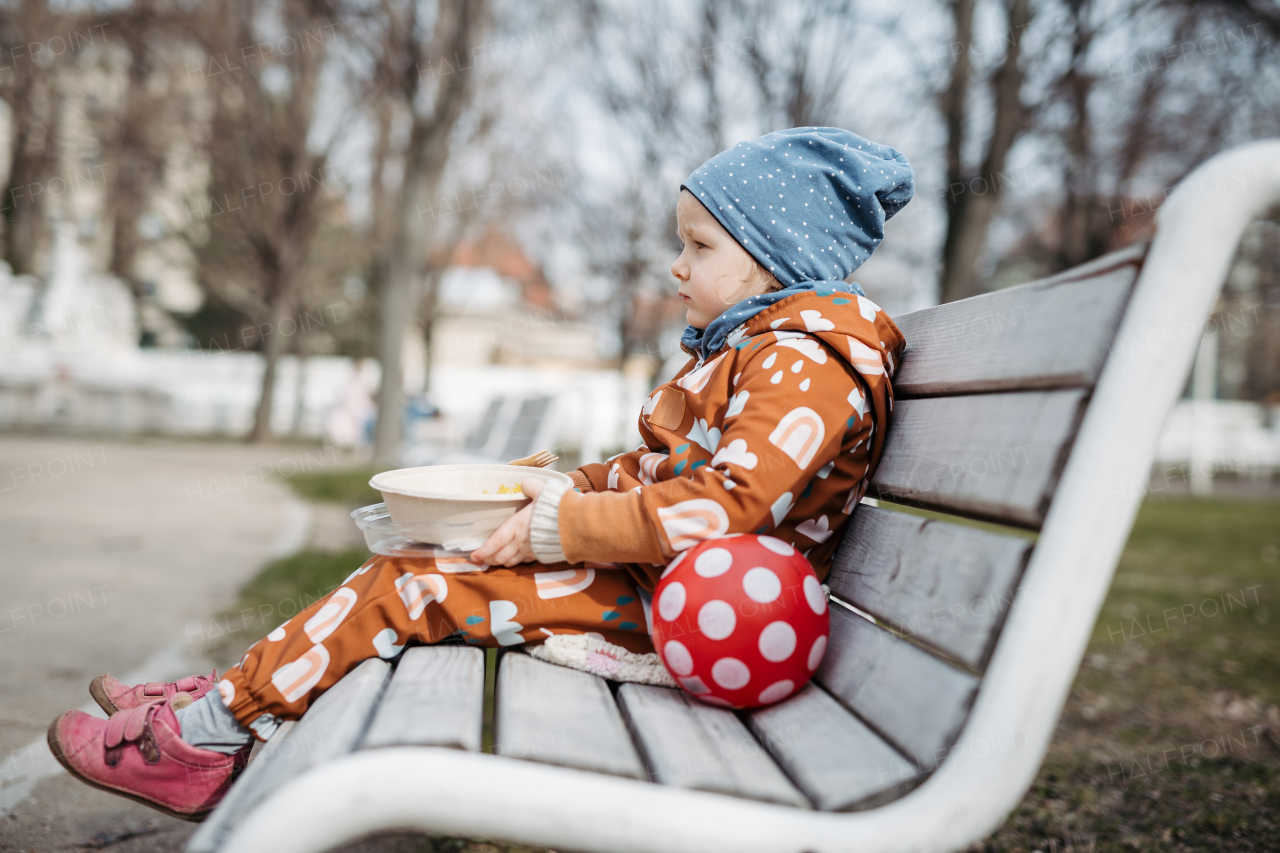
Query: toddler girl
point(775, 425)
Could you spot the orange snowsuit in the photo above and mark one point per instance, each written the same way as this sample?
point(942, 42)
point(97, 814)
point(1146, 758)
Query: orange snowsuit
point(778, 432)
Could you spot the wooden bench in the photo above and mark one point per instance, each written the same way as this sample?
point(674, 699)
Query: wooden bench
point(953, 645)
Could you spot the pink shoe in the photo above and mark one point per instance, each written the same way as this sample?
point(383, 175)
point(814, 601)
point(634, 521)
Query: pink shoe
point(138, 753)
point(114, 696)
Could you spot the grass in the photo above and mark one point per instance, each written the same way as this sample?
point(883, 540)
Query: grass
point(1170, 738)
point(282, 589)
point(302, 578)
point(349, 486)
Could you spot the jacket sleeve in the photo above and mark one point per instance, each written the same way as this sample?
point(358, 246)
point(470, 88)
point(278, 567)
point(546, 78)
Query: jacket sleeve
point(771, 440)
point(582, 478)
point(611, 525)
point(601, 476)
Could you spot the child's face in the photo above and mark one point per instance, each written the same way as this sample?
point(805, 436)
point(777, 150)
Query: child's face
point(715, 272)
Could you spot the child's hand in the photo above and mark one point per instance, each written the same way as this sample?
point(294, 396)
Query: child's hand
point(510, 544)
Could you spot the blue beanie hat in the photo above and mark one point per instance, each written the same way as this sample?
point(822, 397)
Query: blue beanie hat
point(808, 203)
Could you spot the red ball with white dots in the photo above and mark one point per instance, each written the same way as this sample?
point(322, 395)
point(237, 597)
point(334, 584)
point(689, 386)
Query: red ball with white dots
point(740, 621)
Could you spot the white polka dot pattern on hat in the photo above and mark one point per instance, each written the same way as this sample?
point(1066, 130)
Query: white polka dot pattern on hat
point(814, 595)
point(816, 652)
point(777, 546)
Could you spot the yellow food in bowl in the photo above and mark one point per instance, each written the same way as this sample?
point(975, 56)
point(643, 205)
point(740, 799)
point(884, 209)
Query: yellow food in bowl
point(506, 490)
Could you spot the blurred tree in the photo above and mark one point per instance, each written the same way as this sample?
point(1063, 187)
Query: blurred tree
point(645, 65)
point(1120, 100)
point(29, 88)
point(973, 194)
point(799, 57)
point(1136, 97)
point(670, 78)
point(1261, 251)
point(138, 137)
point(269, 152)
point(422, 67)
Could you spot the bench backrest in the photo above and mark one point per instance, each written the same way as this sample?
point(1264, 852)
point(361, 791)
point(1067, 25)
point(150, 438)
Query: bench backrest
point(990, 394)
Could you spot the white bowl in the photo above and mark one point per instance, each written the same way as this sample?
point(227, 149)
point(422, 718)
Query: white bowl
point(447, 504)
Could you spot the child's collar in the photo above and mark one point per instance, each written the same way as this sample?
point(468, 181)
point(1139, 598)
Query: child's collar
point(704, 343)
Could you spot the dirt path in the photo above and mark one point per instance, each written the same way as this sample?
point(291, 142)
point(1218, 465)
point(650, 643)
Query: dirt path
point(113, 555)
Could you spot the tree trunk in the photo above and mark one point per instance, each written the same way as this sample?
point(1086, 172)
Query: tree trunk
point(303, 355)
point(427, 312)
point(396, 308)
point(707, 66)
point(972, 201)
point(33, 112)
point(24, 211)
point(953, 104)
point(425, 161)
point(273, 345)
point(1080, 202)
point(132, 149)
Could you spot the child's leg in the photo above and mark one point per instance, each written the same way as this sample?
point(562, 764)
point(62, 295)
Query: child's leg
point(389, 602)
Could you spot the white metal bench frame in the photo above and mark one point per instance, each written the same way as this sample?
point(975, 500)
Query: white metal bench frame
point(988, 770)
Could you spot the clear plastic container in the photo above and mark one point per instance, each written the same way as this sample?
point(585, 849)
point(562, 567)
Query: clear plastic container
point(384, 536)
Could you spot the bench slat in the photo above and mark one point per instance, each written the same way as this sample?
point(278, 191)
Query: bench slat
point(690, 744)
point(911, 697)
point(1053, 333)
point(563, 716)
point(435, 698)
point(331, 727)
point(942, 584)
point(992, 456)
point(832, 755)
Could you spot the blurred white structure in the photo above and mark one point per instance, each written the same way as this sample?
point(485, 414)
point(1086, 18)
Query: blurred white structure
point(178, 392)
point(595, 411)
point(69, 359)
point(173, 392)
point(1203, 438)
